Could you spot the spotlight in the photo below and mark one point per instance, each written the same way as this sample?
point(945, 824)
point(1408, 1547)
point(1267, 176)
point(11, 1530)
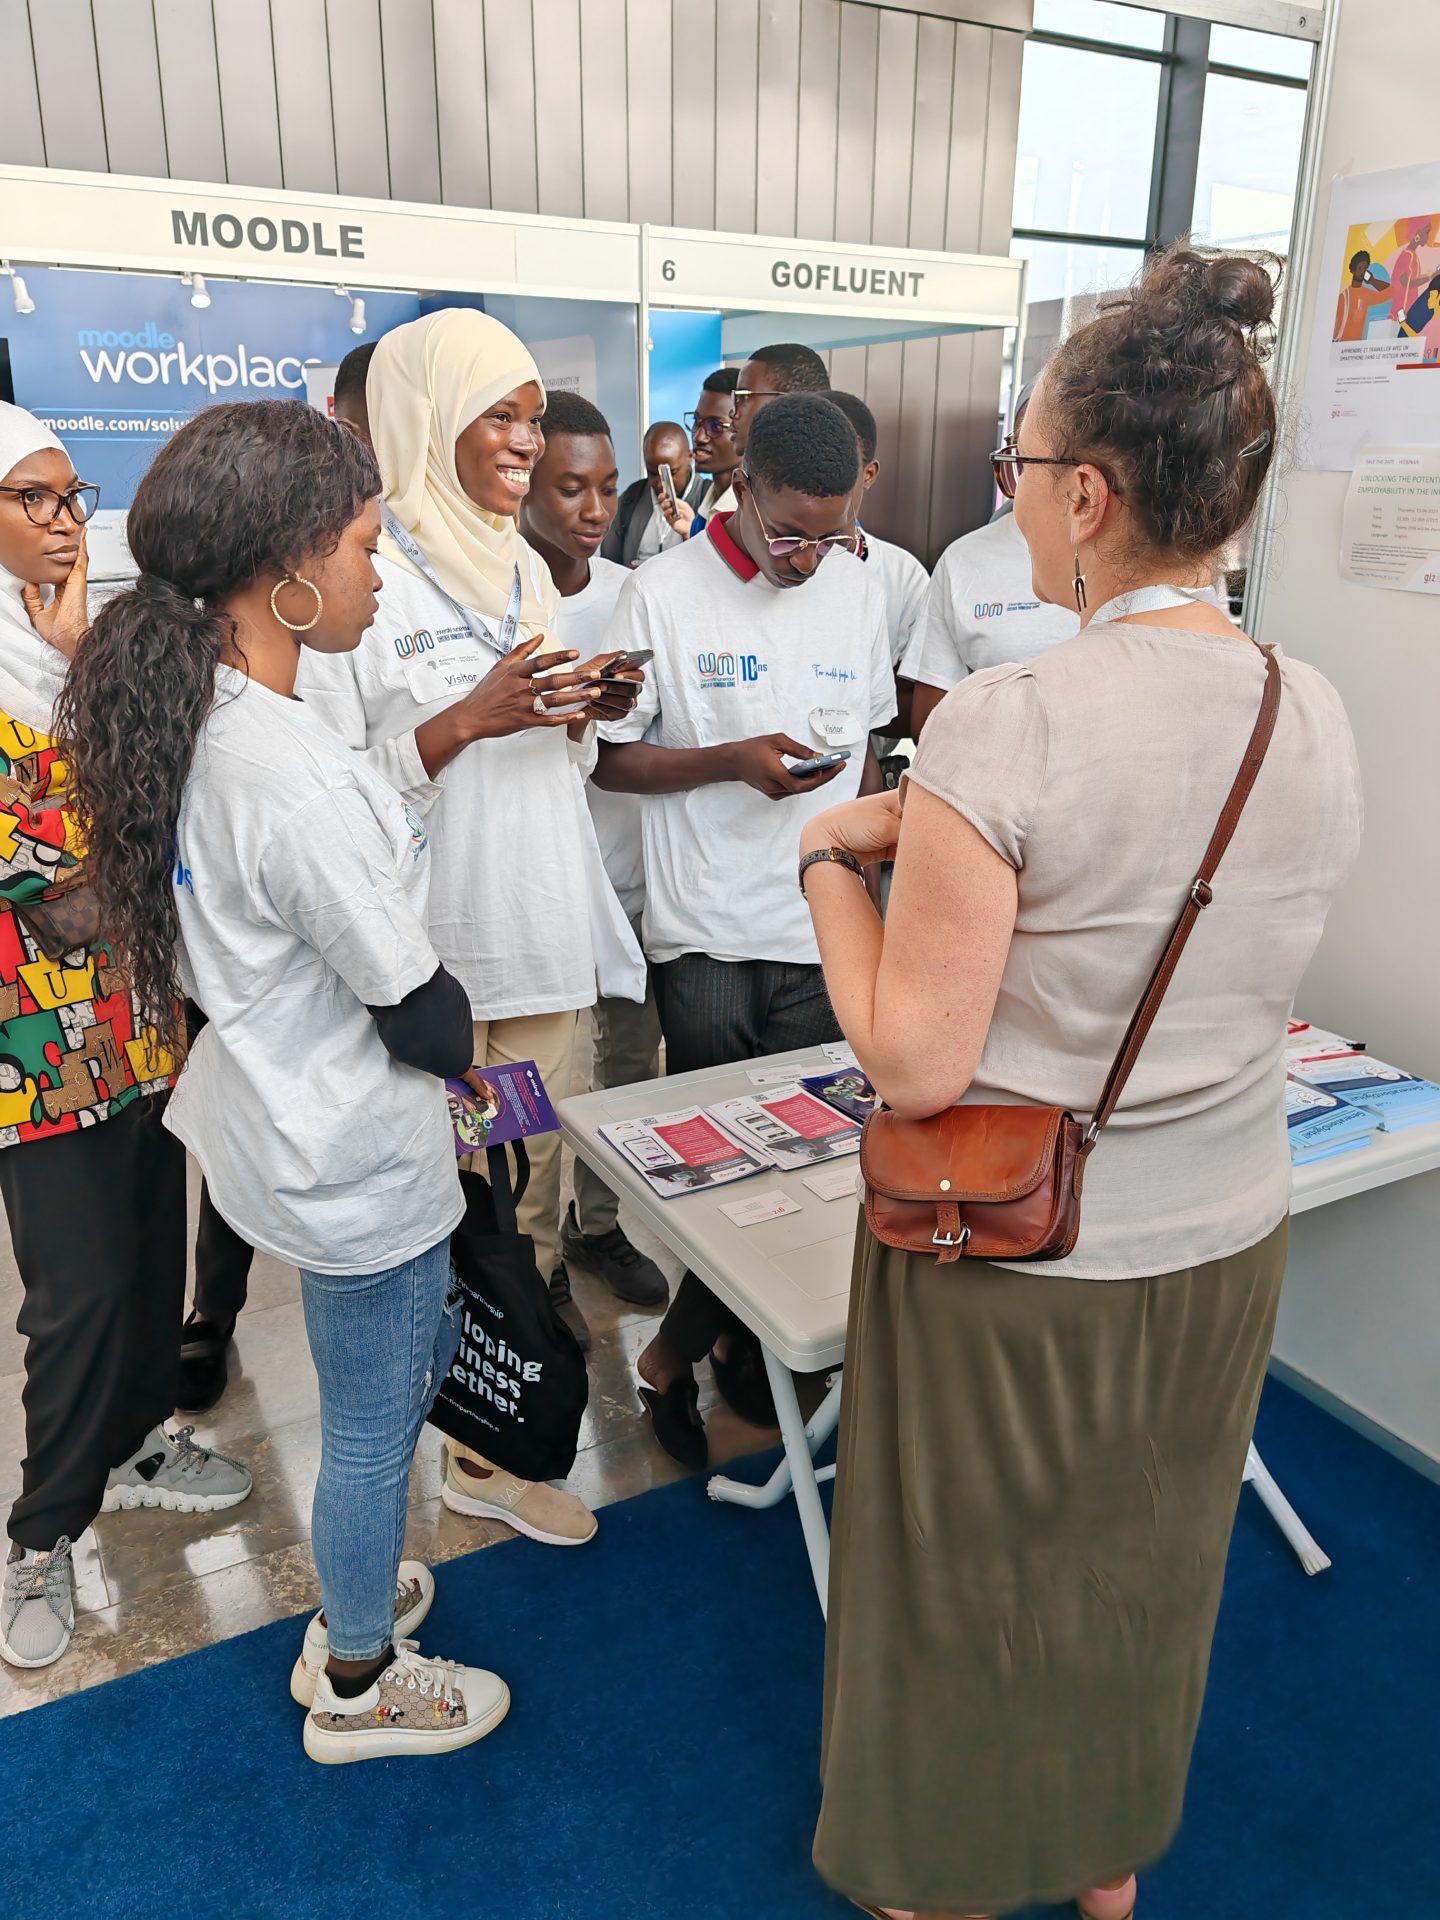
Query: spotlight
point(199, 292)
point(18, 288)
point(357, 315)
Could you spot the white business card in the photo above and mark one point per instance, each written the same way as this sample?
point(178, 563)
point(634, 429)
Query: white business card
point(772, 1204)
point(841, 1053)
point(836, 1183)
point(775, 1076)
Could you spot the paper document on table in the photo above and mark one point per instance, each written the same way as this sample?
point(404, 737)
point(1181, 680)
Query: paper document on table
point(835, 1183)
point(682, 1152)
point(773, 1076)
point(1390, 532)
point(840, 1052)
point(769, 1204)
point(789, 1125)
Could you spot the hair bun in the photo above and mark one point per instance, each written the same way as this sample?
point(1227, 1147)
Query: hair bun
point(1239, 289)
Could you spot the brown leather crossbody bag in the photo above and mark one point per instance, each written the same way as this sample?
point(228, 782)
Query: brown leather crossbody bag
point(1003, 1182)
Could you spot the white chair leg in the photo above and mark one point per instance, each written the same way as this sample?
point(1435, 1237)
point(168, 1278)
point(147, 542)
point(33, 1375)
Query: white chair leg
point(1312, 1556)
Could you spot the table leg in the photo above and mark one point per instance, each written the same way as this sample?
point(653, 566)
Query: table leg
point(1313, 1558)
point(797, 1470)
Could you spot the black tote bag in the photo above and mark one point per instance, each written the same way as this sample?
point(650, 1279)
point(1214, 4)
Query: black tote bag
point(518, 1387)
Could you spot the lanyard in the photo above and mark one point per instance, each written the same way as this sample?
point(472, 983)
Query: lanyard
point(509, 633)
point(1150, 600)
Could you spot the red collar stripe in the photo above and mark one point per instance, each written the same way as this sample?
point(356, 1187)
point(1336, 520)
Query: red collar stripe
point(717, 528)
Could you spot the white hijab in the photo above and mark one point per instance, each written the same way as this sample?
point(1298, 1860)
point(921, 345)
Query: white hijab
point(32, 672)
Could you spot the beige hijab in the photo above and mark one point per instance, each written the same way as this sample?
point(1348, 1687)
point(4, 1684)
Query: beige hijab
point(428, 380)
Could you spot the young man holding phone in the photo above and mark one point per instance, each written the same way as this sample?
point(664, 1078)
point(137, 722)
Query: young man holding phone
point(567, 513)
point(643, 525)
point(771, 649)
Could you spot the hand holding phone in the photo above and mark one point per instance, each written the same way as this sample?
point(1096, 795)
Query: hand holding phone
point(667, 490)
point(822, 763)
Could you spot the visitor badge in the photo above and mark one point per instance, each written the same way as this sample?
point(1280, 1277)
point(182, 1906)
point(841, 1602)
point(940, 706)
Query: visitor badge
point(446, 675)
point(836, 726)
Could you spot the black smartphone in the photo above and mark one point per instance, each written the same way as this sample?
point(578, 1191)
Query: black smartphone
point(667, 484)
point(822, 764)
point(640, 657)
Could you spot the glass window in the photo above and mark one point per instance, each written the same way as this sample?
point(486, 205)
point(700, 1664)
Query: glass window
point(1066, 277)
point(1087, 141)
point(1249, 162)
point(1100, 20)
point(1265, 52)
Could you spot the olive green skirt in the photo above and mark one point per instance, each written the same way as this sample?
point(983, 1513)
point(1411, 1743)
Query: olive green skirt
point(1037, 1481)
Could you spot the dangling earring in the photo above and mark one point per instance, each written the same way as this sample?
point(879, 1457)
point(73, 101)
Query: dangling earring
point(1080, 601)
point(298, 580)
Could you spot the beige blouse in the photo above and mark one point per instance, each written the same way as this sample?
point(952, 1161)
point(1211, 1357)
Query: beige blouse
point(1098, 771)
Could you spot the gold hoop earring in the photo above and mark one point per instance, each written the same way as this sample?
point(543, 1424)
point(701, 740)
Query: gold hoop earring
point(1080, 601)
point(297, 580)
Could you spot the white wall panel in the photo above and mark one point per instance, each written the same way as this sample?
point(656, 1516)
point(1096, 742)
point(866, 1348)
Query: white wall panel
point(302, 95)
point(511, 58)
point(245, 60)
point(818, 116)
point(22, 139)
point(412, 137)
point(357, 94)
point(779, 156)
point(190, 90)
point(855, 124)
point(694, 134)
point(605, 161)
point(460, 96)
point(897, 52)
point(737, 133)
point(68, 74)
point(130, 87)
point(648, 84)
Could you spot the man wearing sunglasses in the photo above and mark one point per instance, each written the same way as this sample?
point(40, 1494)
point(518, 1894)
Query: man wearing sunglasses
point(771, 650)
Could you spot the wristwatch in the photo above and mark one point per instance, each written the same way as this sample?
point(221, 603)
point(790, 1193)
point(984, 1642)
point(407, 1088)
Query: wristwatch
point(839, 855)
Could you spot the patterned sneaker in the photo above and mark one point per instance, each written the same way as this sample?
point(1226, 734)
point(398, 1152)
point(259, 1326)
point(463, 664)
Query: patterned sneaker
point(416, 1706)
point(546, 1514)
point(414, 1591)
point(37, 1607)
point(170, 1471)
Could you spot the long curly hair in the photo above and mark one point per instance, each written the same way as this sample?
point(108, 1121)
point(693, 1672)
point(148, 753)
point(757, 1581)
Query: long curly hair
point(245, 490)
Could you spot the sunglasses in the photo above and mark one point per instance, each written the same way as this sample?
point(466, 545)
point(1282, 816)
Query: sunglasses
point(43, 505)
point(785, 545)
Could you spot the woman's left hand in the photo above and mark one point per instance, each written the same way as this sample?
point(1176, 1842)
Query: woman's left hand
point(66, 621)
point(868, 827)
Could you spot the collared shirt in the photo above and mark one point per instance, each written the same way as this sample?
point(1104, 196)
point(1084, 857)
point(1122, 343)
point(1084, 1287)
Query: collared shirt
point(981, 610)
point(736, 657)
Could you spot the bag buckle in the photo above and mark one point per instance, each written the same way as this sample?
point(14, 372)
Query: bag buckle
point(947, 1240)
point(1201, 893)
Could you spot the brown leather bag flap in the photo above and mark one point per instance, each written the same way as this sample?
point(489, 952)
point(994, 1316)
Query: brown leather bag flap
point(964, 1154)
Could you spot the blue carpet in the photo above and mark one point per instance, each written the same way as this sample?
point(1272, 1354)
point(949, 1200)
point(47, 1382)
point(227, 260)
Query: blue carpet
point(660, 1756)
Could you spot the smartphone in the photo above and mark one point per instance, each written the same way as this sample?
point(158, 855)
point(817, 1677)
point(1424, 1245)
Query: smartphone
point(822, 764)
point(667, 485)
point(612, 669)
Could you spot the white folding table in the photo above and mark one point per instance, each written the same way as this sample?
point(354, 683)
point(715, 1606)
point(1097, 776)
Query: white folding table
point(789, 1279)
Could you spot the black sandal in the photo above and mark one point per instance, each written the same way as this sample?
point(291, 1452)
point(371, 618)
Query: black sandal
point(675, 1416)
point(744, 1384)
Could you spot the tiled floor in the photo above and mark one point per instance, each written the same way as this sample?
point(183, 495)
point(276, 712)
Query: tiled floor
point(152, 1585)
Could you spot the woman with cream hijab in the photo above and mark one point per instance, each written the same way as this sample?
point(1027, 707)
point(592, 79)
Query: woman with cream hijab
point(441, 696)
point(82, 1088)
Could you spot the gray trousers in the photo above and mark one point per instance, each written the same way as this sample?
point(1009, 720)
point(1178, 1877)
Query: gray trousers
point(627, 1048)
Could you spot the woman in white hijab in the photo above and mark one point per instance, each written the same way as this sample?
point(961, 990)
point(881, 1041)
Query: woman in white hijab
point(441, 695)
point(96, 1211)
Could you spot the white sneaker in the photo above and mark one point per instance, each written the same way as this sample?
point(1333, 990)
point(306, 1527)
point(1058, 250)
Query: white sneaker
point(416, 1706)
point(414, 1591)
point(171, 1472)
point(548, 1514)
point(37, 1606)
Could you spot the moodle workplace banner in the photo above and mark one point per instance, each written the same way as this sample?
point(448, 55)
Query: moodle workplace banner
point(115, 362)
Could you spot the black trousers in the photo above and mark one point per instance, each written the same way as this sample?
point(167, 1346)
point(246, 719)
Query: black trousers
point(713, 1012)
point(97, 1220)
point(222, 1265)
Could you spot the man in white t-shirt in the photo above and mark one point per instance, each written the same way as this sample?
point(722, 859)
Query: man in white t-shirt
point(567, 513)
point(771, 648)
point(901, 576)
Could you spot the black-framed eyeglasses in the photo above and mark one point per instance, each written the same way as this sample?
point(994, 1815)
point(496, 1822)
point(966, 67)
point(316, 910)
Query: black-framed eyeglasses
point(43, 504)
point(786, 544)
point(754, 393)
point(709, 424)
point(1008, 463)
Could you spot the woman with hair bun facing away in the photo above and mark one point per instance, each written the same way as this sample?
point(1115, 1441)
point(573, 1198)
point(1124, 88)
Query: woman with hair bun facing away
point(241, 851)
point(1040, 1460)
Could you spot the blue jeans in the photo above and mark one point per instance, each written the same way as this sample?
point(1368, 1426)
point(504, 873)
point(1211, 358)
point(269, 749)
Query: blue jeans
point(382, 1345)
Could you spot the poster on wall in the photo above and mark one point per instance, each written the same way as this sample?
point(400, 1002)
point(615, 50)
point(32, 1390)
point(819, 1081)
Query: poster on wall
point(1390, 534)
point(1374, 375)
point(115, 362)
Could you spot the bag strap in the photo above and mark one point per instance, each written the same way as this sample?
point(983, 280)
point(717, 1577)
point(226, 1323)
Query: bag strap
point(506, 1197)
point(1202, 892)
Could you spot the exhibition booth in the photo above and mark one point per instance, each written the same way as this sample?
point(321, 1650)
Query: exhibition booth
point(143, 300)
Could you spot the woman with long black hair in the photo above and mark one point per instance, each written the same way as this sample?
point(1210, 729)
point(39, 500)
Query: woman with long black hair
point(241, 852)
